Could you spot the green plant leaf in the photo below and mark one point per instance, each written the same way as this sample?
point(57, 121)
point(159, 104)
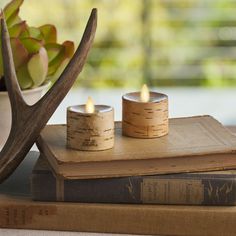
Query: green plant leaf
point(65, 53)
point(17, 29)
point(57, 72)
point(20, 54)
point(53, 49)
point(38, 67)
point(11, 8)
point(49, 33)
point(35, 33)
point(32, 45)
point(13, 19)
point(56, 62)
point(24, 78)
point(25, 33)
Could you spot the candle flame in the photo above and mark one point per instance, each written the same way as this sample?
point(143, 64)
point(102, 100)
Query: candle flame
point(89, 107)
point(145, 94)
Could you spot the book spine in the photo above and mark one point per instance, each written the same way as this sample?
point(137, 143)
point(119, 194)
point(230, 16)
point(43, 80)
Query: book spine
point(114, 218)
point(182, 189)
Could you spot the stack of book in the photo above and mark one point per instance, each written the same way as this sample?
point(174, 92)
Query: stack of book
point(180, 184)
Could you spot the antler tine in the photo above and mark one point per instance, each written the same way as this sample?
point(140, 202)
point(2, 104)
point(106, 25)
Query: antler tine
point(33, 119)
point(13, 87)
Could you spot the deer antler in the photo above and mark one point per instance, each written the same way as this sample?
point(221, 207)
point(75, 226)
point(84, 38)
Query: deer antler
point(28, 121)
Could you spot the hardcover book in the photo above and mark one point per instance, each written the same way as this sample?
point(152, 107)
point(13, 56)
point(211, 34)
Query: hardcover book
point(18, 211)
point(203, 188)
point(193, 144)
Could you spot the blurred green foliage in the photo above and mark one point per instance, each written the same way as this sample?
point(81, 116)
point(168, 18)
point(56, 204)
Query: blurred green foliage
point(159, 42)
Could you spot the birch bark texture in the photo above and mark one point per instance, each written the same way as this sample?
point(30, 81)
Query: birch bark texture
point(90, 131)
point(145, 119)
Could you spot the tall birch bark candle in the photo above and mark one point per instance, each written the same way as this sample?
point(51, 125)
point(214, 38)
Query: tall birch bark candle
point(145, 114)
point(90, 127)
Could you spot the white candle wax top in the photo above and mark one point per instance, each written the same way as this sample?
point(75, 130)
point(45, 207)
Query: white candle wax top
point(153, 97)
point(97, 109)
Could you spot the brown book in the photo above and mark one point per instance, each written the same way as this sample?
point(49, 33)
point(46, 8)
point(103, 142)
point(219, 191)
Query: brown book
point(202, 188)
point(22, 213)
point(193, 144)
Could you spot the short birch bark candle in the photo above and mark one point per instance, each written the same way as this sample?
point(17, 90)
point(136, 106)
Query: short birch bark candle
point(145, 114)
point(90, 127)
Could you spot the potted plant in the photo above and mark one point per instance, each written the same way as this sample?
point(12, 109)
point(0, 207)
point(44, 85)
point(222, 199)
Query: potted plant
point(38, 59)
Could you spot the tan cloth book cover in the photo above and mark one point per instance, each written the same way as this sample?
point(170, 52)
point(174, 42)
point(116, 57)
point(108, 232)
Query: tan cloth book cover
point(23, 213)
point(193, 144)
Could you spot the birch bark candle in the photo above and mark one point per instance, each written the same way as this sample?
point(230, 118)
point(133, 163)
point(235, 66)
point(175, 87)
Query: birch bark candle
point(145, 114)
point(90, 127)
